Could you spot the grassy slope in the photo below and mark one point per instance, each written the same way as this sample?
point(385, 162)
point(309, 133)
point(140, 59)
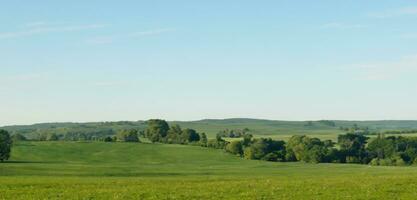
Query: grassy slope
point(285, 129)
point(64, 170)
point(259, 128)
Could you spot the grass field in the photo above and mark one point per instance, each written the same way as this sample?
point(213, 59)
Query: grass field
point(69, 170)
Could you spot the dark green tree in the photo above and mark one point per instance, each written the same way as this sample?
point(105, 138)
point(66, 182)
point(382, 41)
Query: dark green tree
point(260, 148)
point(352, 147)
point(190, 135)
point(157, 130)
point(5, 145)
point(108, 139)
point(247, 139)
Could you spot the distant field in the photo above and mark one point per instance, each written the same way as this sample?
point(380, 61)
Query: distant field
point(71, 170)
point(259, 128)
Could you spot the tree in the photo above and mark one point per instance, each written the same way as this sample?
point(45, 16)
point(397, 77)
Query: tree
point(190, 135)
point(352, 146)
point(247, 139)
point(203, 140)
point(108, 139)
point(174, 134)
point(303, 148)
point(381, 148)
point(5, 145)
point(157, 129)
point(294, 148)
point(128, 136)
point(53, 137)
point(259, 148)
point(235, 147)
point(217, 143)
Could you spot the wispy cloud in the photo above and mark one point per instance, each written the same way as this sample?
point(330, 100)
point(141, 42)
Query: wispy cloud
point(342, 26)
point(38, 28)
point(113, 38)
point(394, 12)
point(386, 70)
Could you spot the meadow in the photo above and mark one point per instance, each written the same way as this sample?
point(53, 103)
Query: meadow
point(97, 170)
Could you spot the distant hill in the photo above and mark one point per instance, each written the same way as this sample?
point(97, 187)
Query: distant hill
point(257, 127)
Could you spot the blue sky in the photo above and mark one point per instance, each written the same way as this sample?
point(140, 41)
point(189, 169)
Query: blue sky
point(188, 60)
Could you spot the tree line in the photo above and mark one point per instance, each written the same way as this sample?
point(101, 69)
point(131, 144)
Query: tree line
point(234, 133)
point(349, 147)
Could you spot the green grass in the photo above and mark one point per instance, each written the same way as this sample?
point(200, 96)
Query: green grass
point(70, 170)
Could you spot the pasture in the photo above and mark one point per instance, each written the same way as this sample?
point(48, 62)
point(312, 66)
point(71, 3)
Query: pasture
point(82, 170)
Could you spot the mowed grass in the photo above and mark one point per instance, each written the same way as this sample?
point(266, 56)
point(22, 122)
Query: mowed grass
point(70, 170)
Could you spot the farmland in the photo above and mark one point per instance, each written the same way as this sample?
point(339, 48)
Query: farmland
point(96, 170)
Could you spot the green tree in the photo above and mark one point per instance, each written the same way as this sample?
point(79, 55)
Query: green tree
point(53, 137)
point(108, 139)
point(303, 148)
point(247, 139)
point(190, 135)
point(5, 145)
point(261, 147)
point(174, 134)
point(352, 147)
point(235, 147)
point(217, 143)
point(203, 140)
point(157, 129)
point(130, 135)
point(381, 148)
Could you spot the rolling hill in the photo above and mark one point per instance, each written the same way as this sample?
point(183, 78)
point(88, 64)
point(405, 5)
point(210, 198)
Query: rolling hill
point(260, 128)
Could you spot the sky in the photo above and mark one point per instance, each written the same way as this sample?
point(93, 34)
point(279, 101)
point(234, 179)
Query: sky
point(96, 60)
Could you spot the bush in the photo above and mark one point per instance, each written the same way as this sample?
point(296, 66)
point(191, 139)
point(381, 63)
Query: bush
point(108, 139)
point(374, 162)
point(400, 162)
point(386, 162)
point(128, 136)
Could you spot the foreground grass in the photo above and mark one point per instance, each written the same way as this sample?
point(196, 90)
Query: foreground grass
point(342, 187)
point(64, 170)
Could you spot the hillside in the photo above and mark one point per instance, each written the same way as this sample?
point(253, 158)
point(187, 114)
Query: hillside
point(257, 127)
